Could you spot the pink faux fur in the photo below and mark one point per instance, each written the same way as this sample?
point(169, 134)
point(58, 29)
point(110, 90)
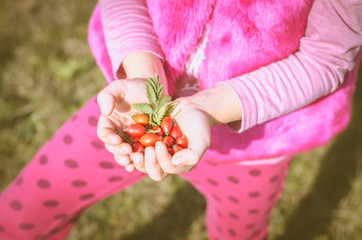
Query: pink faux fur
point(244, 35)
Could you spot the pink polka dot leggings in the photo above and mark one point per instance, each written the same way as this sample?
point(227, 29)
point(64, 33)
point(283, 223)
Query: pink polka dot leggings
point(73, 170)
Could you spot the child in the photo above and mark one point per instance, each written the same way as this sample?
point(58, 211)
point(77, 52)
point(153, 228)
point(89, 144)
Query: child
point(276, 79)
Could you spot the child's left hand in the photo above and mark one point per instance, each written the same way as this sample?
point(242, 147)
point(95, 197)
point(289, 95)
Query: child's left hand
point(115, 102)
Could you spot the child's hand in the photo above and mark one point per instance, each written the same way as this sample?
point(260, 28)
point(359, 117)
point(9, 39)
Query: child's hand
point(198, 113)
point(195, 124)
point(115, 103)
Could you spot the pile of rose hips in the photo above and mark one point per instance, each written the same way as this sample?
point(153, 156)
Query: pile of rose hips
point(142, 134)
point(153, 122)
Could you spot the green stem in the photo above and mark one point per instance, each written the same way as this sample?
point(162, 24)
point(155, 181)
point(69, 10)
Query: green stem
point(176, 114)
point(124, 138)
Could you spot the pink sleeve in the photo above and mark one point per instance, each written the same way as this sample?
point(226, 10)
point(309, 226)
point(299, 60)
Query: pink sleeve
point(326, 53)
point(127, 28)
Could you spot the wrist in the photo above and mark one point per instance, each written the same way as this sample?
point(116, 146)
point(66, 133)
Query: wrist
point(219, 103)
point(144, 65)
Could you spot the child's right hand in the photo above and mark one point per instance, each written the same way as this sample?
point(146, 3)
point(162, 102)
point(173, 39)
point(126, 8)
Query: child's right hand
point(115, 103)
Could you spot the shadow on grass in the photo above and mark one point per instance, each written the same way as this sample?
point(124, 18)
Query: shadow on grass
point(314, 214)
point(176, 219)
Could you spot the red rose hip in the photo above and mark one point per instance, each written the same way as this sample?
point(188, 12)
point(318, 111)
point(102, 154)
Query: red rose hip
point(157, 130)
point(168, 141)
point(134, 139)
point(135, 130)
point(182, 141)
point(138, 147)
point(170, 150)
point(176, 148)
point(166, 125)
point(141, 119)
point(176, 132)
point(149, 139)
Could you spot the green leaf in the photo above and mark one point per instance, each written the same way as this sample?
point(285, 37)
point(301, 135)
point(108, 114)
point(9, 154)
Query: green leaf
point(152, 120)
point(159, 90)
point(171, 107)
point(161, 113)
point(143, 108)
point(151, 92)
point(153, 123)
point(159, 106)
point(164, 100)
point(153, 89)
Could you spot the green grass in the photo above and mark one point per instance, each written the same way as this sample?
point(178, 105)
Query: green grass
point(44, 58)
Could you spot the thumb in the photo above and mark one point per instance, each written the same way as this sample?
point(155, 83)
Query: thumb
point(192, 154)
point(106, 103)
point(109, 95)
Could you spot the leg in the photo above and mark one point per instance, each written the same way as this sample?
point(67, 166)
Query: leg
point(72, 171)
point(239, 196)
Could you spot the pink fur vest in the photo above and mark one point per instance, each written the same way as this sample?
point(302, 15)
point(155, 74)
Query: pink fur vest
point(244, 35)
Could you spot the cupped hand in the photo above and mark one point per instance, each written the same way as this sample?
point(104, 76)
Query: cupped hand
point(157, 162)
point(115, 103)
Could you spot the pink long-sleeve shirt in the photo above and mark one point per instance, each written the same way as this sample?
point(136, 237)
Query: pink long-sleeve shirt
point(327, 52)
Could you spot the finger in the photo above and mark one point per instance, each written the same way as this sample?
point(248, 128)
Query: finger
point(189, 156)
point(185, 157)
point(106, 131)
point(138, 161)
point(192, 154)
point(122, 160)
point(164, 158)
point(106, 102)
point(108, 96)
point(152, 167)
point(112, 149)
point(130, 168)
point(121, 149)
point(122, 156)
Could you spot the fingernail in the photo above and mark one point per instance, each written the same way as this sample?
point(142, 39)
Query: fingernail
point(177, 161)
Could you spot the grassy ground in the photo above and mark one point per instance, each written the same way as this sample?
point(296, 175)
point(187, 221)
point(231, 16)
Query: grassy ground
point(44, 58)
